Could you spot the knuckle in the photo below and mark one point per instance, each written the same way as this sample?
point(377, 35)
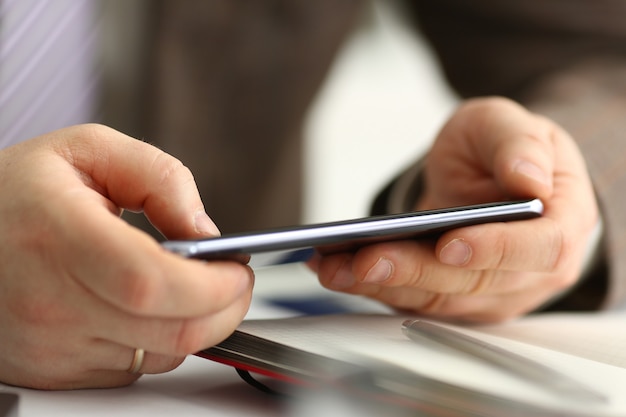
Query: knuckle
point(88, 131)
point(490, 103)
point(561, 250)
point(416, 277)
point(434, 303)
point(84, 134)
point(170, 169)
point(500, 253)
point(96, 129)
point(484, 110)
point(480, 282)
point(493, 249)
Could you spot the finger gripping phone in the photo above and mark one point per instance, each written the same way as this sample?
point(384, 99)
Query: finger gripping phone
point(297, 243)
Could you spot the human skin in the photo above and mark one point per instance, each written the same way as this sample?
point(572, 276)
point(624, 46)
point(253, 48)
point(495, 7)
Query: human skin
point(491, 149)
point(80, 289)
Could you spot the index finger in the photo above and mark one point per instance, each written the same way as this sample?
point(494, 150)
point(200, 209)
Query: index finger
point(121, 264)
point(570, 215)
point(511, 144)
point(130, 270)
point(137, 176)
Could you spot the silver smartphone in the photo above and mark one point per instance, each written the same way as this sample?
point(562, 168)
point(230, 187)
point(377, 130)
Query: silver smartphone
point(297, 244)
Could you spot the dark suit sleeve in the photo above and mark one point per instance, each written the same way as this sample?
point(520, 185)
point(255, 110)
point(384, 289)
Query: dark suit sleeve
point(225, 87)
point(565, 59)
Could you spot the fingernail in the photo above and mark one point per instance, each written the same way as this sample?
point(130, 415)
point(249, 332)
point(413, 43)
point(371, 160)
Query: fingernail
point(343, 278)
point(531, 170)
point(457, 253)
point(380, 272)
point(204, 225)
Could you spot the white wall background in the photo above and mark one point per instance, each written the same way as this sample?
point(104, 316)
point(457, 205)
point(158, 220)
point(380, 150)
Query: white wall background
point(380, 108)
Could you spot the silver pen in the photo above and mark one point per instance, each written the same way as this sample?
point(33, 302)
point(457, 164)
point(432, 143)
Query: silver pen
point(522, 366)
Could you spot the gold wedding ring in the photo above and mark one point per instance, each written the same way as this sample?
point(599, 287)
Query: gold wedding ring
point(137, 362)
